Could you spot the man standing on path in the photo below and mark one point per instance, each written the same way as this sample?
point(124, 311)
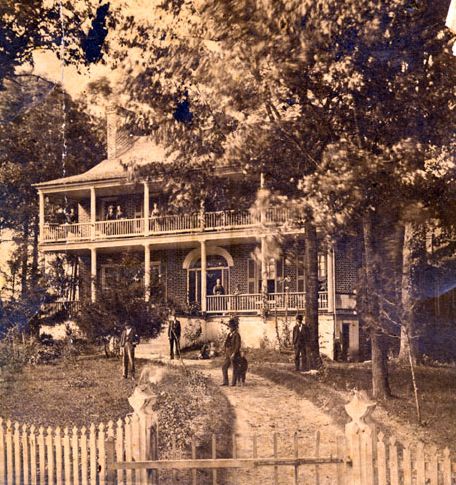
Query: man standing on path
point(232, 349)
point(174, 333)
point(299, 344)
point(128, 342)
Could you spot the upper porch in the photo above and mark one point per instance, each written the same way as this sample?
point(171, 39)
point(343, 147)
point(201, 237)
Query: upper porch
point(137, 227)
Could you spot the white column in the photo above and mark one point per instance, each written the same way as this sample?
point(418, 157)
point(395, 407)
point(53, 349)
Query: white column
point(93, 210)
point(331, 281)
point(93, 274)
point(203, 276)
point(41, 213)
point(264, 266)
point(146, 209)
point(146, 272)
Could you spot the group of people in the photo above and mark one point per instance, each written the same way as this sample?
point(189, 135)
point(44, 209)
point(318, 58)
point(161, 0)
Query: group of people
point(114, 213)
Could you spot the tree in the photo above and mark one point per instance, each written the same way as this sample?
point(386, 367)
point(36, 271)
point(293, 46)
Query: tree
point(122, 302)
point(358, 80)
point(54, 136)
point(58, 26)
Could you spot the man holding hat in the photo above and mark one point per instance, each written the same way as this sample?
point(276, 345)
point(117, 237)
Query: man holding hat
point(232, 348)
point(299, 344)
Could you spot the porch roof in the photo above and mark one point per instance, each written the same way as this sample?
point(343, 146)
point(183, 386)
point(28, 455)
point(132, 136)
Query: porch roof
point(143, 150)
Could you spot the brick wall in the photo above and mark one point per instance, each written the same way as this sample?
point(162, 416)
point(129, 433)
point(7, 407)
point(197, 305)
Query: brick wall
point(346, 263)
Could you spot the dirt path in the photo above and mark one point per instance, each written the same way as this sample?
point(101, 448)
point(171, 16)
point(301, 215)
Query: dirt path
point(263, 409)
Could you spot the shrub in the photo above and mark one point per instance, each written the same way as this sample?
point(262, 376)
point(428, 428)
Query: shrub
point(193, 331)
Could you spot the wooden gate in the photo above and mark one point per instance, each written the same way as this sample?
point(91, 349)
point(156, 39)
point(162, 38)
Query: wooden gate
point(245, 464)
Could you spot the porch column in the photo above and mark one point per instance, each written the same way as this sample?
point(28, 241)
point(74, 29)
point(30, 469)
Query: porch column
point(146, 208)
point(264, 266)
point(331, 283)
point(146, 272)
point(41, 214)
point(203, 276)
point(93, 274)
point(93, 210)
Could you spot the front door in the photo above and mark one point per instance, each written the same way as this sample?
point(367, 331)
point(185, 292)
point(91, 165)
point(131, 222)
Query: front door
point(212, 275)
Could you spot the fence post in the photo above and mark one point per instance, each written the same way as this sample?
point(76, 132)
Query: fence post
point(110, 449)
point(360, 436)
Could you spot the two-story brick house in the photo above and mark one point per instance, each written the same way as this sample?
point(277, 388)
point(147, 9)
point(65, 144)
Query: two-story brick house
point(187, 253)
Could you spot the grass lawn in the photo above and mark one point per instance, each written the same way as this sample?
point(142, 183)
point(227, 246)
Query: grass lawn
point(329, 389)
point(67, 393)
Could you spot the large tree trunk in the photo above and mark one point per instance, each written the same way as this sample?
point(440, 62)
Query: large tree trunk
point(380, 383)
point(24, 255)
point(311, 302)
point(413, 252)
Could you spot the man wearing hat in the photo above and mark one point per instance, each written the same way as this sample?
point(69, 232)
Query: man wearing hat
point(299, 344)
point(232, 348)
point(128, 342)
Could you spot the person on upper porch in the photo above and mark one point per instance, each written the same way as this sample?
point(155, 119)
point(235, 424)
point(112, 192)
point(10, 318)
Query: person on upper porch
point(120, 214)
point(110, 214)
point(218, 288)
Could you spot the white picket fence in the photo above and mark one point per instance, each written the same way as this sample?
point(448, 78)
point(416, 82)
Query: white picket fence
point(45, 456)
point(126, 452)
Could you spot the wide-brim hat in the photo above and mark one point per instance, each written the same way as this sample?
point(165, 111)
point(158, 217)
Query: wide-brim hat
point(299, 318)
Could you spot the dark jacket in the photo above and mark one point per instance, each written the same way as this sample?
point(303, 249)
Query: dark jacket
point(232, 344)
point(299, 336)
point(174, 329)
point(130, 339)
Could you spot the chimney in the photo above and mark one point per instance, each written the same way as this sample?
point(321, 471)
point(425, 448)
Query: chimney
point(111, 127)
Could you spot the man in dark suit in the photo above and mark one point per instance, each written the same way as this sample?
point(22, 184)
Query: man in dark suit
point(299, 344)
point(231, 348)
point(128, 342)
point(174, 333)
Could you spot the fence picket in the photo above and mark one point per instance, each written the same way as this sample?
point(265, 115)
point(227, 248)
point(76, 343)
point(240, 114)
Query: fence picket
point(33, 467)
point(275, 454)
point(235, 472)
point(135, 444)
point(93, 454)
point(193, 458)
point(75, 455)
point(101, 454)
point(9, 452)
point(394, 462)
point(381, 459)
point(447, 467)
point(434, 466)
point(25, 456)
point(340, 447)
point(119, 448)
point(296, 455)
point(17, 454)
point(58, 456)
point(50, 455)
point(2, 453)
point(420, 464)
point(214, 456)
point(66, 455)
point(128, 448)
point(255, 454)
point(84, 457)
point(41, 456)
point(407, 464)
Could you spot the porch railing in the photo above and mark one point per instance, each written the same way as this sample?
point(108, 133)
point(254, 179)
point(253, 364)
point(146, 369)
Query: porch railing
point(167, 224)
point(252, 302)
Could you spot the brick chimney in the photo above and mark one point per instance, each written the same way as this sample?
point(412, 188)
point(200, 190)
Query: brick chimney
point(111, 127)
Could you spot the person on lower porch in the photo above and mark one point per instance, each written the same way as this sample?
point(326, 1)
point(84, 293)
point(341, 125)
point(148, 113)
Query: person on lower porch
point(299, 344)
point(232, 349)
point(128, 342)
point(174, 334)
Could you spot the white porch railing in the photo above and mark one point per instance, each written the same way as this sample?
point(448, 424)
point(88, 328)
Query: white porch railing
point(168, 224)
point(252, 302)
point(56, 306)
point(121, 227)
point(67, 232)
